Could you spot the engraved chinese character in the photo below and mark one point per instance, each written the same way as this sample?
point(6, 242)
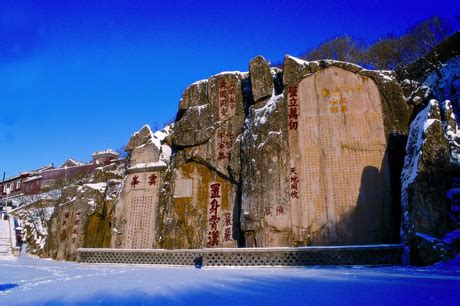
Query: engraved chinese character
point(223, 111)
point(135, 181)
point(293, 113)
point(292, 91)
point(334, 109)
point(227, 219)
point(293, 102)
point(221, 155)
point(153, 179)
point(214, 206)
point(227, 234)
point(215, 190)
point(213, 220)
point(293, 125)
point(213, 238)
point(279, 210)
point(221, 145)
point(268, 211)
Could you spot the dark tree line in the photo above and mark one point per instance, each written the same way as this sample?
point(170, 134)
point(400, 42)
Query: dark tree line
point(388, 52)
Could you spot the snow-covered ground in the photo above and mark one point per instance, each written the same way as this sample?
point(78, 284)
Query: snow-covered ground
point(31, 281)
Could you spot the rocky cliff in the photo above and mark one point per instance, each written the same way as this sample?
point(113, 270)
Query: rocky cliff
point(308, 155)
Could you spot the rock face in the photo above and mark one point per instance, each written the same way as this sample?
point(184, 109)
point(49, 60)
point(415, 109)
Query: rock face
point(76, 221)
point(310, 155)
point(200, 212)
point(200, 205)
point(425, 182)
point(335, 118)
point(261, 78)
point(266, 210)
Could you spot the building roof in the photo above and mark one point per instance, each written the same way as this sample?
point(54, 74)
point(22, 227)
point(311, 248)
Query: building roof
point(32, 178)
point(37, 171)
point(106, 152)
point(71, 163)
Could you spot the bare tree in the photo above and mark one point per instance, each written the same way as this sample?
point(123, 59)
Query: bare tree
point(340, 48)
point(385, 53)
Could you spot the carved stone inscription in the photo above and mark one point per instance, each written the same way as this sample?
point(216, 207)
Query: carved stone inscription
point(141, 215)
point(339, 173)
point(205, 211)
point(139, 198)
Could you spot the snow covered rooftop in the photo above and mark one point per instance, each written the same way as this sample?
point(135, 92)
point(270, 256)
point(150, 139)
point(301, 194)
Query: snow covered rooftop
point(106, 152)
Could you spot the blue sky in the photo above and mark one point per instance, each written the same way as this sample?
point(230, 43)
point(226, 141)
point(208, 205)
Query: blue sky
point(81, 76)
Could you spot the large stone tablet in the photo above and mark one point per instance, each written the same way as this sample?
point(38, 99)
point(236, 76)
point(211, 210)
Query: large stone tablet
point(339, 173)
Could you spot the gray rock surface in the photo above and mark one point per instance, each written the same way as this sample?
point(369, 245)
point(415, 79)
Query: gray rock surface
point(261, 78)
point(425, 182)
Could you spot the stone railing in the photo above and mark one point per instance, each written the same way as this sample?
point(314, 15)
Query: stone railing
point(302, 256)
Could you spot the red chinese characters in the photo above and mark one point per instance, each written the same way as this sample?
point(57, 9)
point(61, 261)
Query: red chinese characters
point(227, 226)
point(293, 114)
point(135, 181)
point(232, 97)
point(268, 211)
point(280, 211)
point(64, 225)
point(215, 197)
point(215, 190)
point(75, 226)
point(223, 111)
point(153, 179)
point(294, 183)
point(224, 144)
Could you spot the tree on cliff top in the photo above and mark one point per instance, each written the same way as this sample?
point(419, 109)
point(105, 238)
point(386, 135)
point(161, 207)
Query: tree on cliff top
point(343, 49)
point(387, 52)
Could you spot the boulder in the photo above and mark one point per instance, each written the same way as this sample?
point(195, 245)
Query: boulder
point(425, 181)
point(139, 138)
point(195, 127)
point(208, 133)
point(261, 78)
point(222, 150)
point(194, 95)
point(69, 225)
